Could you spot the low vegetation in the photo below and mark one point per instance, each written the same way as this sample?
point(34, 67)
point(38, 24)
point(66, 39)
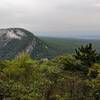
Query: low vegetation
point(67, 77)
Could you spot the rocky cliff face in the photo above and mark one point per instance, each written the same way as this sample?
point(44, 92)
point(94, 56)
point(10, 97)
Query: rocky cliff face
point(16, 40)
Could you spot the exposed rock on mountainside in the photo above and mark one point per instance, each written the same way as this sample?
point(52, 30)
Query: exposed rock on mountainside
point(16, 40)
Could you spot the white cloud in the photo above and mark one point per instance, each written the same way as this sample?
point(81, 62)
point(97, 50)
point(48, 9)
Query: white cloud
point(51, 15)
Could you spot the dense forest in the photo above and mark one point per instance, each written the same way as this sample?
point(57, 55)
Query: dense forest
point(68, 77)
point(67, 45)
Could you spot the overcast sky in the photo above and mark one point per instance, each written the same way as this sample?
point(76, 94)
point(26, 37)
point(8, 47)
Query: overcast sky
point(52, 17)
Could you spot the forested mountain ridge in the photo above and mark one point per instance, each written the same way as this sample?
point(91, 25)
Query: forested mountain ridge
point(13, 41)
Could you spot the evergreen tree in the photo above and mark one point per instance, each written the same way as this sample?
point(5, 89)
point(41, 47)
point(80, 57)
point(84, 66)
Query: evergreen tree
point(87, 54)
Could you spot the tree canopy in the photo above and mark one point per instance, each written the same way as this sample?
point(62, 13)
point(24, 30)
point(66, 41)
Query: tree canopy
point(65, 77)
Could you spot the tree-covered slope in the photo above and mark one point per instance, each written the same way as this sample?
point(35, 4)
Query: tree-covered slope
point(13, 41)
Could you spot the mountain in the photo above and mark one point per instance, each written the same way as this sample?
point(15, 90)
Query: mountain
point(13, 41)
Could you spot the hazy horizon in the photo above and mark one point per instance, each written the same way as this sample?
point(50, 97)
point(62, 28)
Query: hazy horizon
point(55, 18)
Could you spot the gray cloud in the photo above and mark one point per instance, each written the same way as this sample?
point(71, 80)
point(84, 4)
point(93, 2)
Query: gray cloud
point(46, 17)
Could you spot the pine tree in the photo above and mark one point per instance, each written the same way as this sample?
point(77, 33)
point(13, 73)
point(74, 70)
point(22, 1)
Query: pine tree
point(87, 55)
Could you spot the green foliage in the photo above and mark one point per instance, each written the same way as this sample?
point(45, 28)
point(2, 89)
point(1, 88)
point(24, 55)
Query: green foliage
point(69, 63)
point(63, 78)
point(67, 45)
point(93, 73)
point(87, 55)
